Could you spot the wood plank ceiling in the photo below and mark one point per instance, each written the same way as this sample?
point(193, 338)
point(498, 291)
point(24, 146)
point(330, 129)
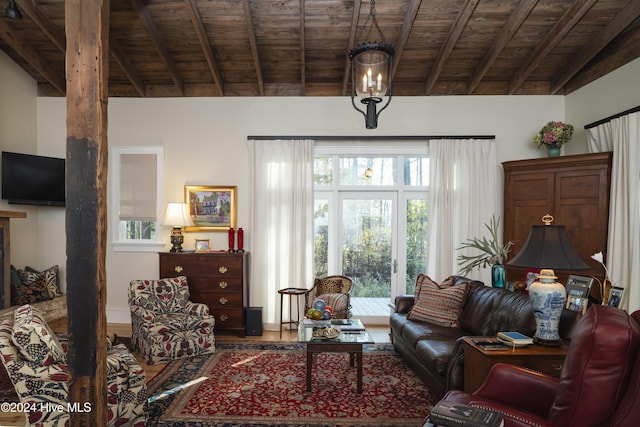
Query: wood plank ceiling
point(169, 48)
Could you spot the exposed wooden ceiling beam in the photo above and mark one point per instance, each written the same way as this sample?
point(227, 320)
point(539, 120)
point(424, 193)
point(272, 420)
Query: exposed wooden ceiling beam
point(58, 38)
point(145, 17)
point(254, 45)
point(569, 19)
point(119, 56)
point(617, 25)
point(409, 19)
point(623, 50)
point(303, 64)
point(512, 25)
point(32, 57)
point(452, 38)
point(205, 45)
point(53, 32)
point(357, 5)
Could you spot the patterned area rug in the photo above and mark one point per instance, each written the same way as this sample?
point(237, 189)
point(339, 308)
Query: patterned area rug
point(264, 385)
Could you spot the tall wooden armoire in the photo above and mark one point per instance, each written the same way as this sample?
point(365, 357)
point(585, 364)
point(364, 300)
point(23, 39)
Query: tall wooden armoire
point(574, 190)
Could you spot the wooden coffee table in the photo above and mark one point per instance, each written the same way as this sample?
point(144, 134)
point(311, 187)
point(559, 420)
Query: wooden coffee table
point(347, 342)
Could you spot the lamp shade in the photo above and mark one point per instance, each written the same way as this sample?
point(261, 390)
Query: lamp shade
point(548, 246)
point(177, 215)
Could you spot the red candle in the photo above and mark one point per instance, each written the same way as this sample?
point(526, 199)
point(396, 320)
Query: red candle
point(240, 239)
point(232, 239)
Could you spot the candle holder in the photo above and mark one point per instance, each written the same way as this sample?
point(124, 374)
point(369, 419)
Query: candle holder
point(240, 240)
point(232, 240)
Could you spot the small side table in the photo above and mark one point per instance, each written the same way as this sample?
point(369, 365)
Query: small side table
point(478, 362)
point(291, 292)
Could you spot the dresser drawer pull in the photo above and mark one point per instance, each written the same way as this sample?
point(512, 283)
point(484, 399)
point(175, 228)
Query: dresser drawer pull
point(178, 268)
point(557, 366)
point(222, 269)
point(223, 284)
point(223, 300)
point(224, 317)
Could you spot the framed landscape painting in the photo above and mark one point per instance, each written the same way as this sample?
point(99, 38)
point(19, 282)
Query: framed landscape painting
point(212, 208)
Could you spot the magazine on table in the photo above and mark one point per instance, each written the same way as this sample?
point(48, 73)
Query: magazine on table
point(349, 325)
point(452, 414)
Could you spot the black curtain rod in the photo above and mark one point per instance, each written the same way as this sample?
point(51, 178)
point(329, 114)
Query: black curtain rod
point(615, 116)
point(370, 138)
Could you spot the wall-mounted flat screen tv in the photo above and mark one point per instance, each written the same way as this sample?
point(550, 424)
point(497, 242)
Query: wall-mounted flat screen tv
point(33, 180)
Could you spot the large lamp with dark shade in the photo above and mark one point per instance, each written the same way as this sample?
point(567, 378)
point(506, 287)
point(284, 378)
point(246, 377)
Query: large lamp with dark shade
point(548, 248)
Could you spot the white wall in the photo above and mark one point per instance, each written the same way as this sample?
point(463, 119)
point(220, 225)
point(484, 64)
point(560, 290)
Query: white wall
point(205, 143)
point(18, 133)
point(614, 93)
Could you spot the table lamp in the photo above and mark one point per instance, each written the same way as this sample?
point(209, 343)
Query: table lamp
point(547, 248)
point(177, 216)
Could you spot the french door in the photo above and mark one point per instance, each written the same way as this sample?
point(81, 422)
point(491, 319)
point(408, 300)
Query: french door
point(370, 224)
point(368, 236)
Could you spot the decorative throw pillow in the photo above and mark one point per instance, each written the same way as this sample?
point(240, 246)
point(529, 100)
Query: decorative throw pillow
point(424, 279)
point(329, 286)
point(440, 306)
point(20, 294)
point(50, 277)
point(35, 340)
point(36, 283)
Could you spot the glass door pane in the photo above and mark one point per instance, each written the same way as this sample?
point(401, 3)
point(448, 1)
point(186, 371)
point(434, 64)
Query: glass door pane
point(416, 243)
point(368, 246)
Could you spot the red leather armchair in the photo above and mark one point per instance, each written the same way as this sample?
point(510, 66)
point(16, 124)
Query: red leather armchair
point(599, 384)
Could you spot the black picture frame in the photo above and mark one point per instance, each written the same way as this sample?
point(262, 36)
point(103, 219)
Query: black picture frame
point(616, 296)
point(578, 288)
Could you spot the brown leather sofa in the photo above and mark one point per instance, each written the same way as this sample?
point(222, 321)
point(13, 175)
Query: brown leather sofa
point(599, 384)
point(436, 353)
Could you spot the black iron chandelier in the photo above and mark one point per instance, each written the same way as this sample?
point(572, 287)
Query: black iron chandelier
point(371, 64)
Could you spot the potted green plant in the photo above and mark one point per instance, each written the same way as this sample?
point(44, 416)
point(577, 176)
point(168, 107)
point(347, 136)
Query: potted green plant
point(491, 253)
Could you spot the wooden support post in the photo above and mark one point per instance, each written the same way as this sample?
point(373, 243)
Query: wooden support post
point(87, 31)
point(5, 256)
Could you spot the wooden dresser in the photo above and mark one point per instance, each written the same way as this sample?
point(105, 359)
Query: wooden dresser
point(217, 279)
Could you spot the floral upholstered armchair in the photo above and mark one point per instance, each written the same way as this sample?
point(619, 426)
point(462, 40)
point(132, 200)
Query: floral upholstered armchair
point(36, 362)
point(335, 292)
point(165, 324)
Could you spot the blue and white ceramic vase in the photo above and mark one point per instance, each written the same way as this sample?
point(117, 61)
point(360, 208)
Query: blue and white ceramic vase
point(497, 275)
point(548, 299)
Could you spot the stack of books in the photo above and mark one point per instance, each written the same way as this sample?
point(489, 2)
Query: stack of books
point(514, 338)
point(451, 414)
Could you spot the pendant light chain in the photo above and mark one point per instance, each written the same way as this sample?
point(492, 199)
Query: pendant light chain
point(372, 16)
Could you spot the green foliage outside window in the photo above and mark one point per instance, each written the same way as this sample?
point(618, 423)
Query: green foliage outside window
point(140, 230)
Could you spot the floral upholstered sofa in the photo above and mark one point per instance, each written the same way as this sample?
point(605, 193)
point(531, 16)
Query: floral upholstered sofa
point(36, 362)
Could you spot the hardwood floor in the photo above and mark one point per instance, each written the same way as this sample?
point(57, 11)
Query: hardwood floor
point(380, 335)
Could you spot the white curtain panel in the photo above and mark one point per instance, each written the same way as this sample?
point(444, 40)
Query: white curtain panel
point(462, 198)
point(622, 136)
point(281, 222)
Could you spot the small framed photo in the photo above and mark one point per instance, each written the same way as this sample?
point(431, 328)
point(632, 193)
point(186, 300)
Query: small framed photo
point(212, 208)
point(577, 304)
point(615, 296)
point(579, 286)
point(202, 245)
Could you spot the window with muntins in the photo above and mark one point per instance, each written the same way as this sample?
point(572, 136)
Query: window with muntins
point(370, 217)
point(136, 189)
